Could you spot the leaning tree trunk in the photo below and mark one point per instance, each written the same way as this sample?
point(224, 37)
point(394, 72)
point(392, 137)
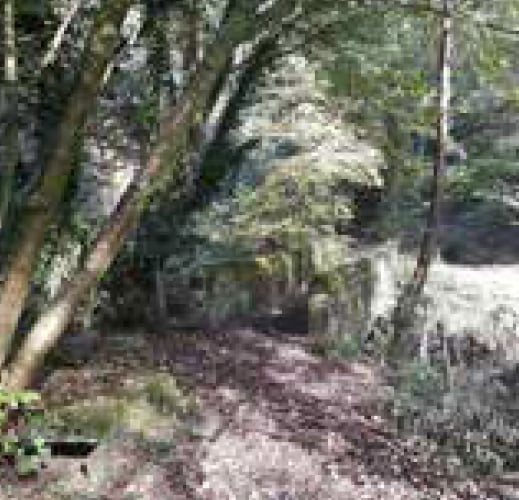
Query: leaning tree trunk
point(45, 201)
point(10, 96)
point(170, 151)
point(51, 324)
point(49, 327)
point(406, 304)
point(241, 22)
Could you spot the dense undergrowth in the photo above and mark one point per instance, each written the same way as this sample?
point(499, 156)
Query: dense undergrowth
point(465, 413)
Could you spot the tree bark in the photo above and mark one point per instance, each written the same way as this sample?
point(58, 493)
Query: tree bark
point(168, 154)
point(10, 99)
point(51, 324)
point(408, 300)
point(44, 202)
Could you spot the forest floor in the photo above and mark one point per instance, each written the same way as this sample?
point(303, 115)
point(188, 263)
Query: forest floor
point(272, 421)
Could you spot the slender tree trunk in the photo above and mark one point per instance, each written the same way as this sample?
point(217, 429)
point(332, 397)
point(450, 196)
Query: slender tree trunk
point(44, 203)
point(8, 172)
point(161, 295)
point(407, 302)
point(53, 49)
point(192, 54)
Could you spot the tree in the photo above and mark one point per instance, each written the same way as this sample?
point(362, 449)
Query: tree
point(11, 112)
point(413, 290)
point(239, 30)
point(392, 90)
point(243, 27)
point(450, 12)
point(44, 202)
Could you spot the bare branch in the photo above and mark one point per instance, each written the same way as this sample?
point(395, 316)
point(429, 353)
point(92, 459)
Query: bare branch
point(52, 51)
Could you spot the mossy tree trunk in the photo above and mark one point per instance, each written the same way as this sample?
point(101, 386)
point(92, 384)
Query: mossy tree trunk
point(165, 164)
point(50, 325)
point(44, 203)
point(413, 290)
point(169, 152)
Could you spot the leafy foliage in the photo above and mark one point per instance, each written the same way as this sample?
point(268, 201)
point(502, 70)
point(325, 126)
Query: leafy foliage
point(21, 418)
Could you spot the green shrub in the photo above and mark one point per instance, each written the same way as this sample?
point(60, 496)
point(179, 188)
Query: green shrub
point(422, 381)
point(21, 419)
point(469, 420)
point(347, 347)
point(343, 347)
point(97, 419)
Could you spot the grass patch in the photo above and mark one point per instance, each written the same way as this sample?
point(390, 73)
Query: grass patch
point(95, 419)
point(145, 403)
point(163, 393)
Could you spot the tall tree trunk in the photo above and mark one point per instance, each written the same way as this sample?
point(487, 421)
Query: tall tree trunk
point(7, 175)
point(51, 324)
point(407, 302)
point(45, 201)
point(169, 153)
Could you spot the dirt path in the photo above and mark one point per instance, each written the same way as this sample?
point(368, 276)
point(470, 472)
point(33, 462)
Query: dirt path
point(280, 423)
point(274, 423)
